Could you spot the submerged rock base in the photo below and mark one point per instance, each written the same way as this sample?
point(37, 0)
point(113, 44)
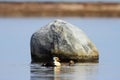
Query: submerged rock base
point(82, 59)
point(64, 40)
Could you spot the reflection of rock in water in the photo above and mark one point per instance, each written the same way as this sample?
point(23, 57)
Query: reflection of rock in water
point(41, 73)
point(86, 71)
point(77, 72)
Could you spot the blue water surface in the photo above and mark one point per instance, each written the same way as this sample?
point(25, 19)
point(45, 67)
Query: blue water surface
point(15, 34)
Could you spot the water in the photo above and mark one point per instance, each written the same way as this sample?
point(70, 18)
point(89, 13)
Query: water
point(77, 72)
point(15, 34)
point(60, 0)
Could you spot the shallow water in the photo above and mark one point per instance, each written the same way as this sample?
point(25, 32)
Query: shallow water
point(79, 71)
point(15, 34)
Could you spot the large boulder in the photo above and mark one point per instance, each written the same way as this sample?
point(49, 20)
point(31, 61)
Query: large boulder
point(64, 40)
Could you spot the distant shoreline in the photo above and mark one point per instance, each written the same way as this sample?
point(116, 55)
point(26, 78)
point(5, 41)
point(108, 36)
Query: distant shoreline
point(50, 9)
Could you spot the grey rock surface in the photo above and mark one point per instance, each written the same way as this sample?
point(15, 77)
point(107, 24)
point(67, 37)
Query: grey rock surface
point(64, 40)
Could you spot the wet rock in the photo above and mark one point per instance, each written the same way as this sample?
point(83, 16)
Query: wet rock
point(64, 40)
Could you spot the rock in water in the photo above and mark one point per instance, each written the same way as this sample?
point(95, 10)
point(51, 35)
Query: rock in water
point(64, 40)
